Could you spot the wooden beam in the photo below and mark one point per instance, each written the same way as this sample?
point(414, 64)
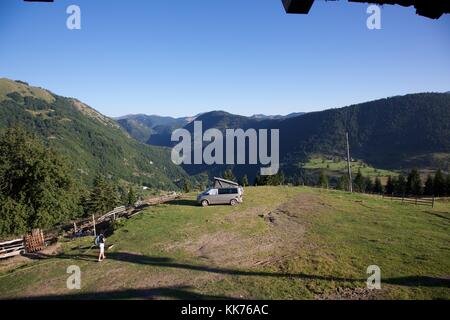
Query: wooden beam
point(298, 6)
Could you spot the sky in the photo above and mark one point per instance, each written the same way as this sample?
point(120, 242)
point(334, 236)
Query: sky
point(181, 58)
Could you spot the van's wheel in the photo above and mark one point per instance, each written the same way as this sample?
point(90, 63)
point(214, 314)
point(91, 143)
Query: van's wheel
point(205, 203)
point(233, 202)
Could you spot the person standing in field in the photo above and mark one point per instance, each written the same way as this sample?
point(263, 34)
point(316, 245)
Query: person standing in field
point(101, 245)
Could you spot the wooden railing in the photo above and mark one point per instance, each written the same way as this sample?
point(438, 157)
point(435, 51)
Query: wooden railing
point(11, 248)
point(120, 212)
point(35, 241)
point(416, 200)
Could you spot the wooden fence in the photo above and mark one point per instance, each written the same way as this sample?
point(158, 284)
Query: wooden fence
point(415, 201)
point(11, 248)
point(31, 242)
point(35, 241)
point(120, 212)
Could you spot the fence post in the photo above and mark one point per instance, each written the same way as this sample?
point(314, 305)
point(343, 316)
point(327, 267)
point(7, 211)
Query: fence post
point(93, 221)
point(432, 204)
point(416, 201)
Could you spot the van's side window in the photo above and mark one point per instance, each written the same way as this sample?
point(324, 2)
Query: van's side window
point(228, 191)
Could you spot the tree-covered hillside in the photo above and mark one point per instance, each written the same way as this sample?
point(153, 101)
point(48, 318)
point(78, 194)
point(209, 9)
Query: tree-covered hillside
point(401, 132)
point(93, 143)
point(387, 133)
point(143, 127)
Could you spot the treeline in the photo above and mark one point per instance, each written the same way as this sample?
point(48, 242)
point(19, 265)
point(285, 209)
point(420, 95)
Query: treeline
point(401, 185)
point(437, 185)
point(38, 188)
point(275, 180)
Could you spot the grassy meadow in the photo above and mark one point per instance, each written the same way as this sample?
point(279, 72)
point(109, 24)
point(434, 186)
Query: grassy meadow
point(281, 243)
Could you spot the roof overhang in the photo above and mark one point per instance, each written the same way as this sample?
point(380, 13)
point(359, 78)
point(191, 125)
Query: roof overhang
point(298, 6)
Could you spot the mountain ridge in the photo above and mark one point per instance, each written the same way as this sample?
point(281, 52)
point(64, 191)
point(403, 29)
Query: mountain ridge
point(93, 143)
point(398, 132)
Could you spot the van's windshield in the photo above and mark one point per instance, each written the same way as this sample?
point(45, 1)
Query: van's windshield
point(210, 192)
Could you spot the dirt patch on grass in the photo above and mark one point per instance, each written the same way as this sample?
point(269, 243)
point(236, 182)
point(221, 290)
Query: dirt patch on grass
point(18, 261)
point(280, 239)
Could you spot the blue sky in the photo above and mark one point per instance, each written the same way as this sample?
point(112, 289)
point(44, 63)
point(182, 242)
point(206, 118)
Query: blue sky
point(183, 57)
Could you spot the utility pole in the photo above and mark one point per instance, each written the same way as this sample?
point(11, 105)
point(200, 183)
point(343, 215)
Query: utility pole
point(350, 181)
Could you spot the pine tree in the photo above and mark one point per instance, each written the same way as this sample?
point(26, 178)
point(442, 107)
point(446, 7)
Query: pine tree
point(439, 184)
point(414, 183)
point(245, 181)
point(132, 199)
point(400, 185)
point(323, 180)
point(186, 186)
point(104, 196)
point(228, 175)
point(368, 185)
point(447, 186)
point(275, 180)
point(378, 186)
point(429, 186)
point(390, 186)
point(343, 183)
point(359, 182)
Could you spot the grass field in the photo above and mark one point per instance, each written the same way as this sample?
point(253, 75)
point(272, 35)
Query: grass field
point(339, 168)
point(281, 243)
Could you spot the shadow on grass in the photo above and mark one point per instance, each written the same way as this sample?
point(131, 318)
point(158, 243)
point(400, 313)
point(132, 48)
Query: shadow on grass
point(419, 281)
point(183, 202)
point(409, 281)
point(180, 292)
point(439, 215)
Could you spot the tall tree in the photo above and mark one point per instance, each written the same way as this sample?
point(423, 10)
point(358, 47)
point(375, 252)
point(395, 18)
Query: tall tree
point(323, 180)
point(132, 198)
point(414, 183)
point(390, 186)
point(343, 183)
point(378, 186)
point(447, 186)
point(429, 187)
point(245, 181)
point(359, 182)
point(228, 175)
point(37, 188)
point(400, 185)
point(104, 196)
point(275, 180)
point(186, 186)
point(439, 184)
point(368, 184)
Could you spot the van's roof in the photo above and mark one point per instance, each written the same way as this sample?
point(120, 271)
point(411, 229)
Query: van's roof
point(227, 181)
